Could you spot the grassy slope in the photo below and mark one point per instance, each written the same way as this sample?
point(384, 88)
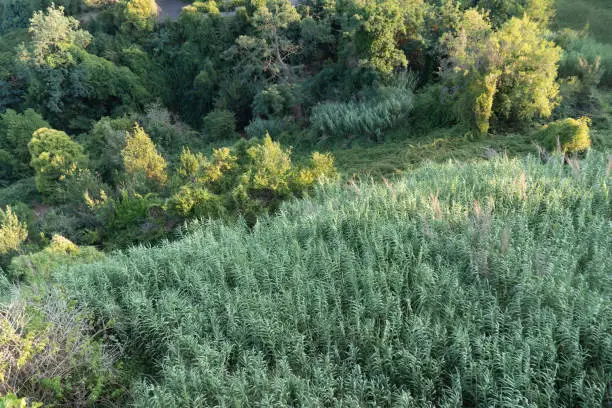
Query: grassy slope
point(577, 14)
point(482, 284)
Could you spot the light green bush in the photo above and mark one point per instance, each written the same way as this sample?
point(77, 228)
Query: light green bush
point(572, 135)
point(37, 267)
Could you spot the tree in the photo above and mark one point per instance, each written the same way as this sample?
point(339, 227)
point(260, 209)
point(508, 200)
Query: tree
point(52, 35)
point(509, 74)
point(141, 157)
point(55, 156)
point(16, 130)
point(471, 69)
point(68, 85)
point(138, 15)
point(271, 21)
point(12, 232)
point(527, 85)
point(540, 11)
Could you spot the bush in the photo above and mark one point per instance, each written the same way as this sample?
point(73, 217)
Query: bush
point(259, 126)
point(220, 124)
point(13, 232)
point(140, 157)
point(54, 157)
point(104, 144)
point(582, 51)
point(15, 132)
point(47, 352)
point(572, 135)
point(37, 267)
point(196, 202)
point(21, 191)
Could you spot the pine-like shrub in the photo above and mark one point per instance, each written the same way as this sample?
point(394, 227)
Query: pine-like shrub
point(572, 135)
point(457, 285)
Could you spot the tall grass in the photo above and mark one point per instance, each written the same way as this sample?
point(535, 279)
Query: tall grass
point(457, 285)
point(367, 118)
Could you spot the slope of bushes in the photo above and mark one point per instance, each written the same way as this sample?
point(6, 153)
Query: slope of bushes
point(457, 285)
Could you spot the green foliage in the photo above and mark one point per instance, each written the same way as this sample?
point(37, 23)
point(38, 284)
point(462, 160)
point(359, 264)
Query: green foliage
point(138, 15)
point(570, 135)
point(105, 142)
point(247, 179)
point(47, 352)
point(140, 157)
point(12, 232)
point(540, 11)
point(527, 87)
point(37, 267)
point(220, 124)
point(456, 285)
point(581, 55)
point(11, 400)
point(594, 15)
point(21, 191)
point(52, 35)
point(198, 202)
point(131, 218)
point(54, 157)
point(15, 132)
point(68, 85)
point(509, 74)
point(380, 25)
point(368, 118)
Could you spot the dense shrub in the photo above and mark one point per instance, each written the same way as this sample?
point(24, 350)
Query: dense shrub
point(47, 352)
point(220, 124)
point(15, 132)
point(259, 126)
point(581, 51)
point(480, 284)
point(571, 135)
point(13, 232)
point(196, 202)
point(141, 158)
point(55, 156)
point(37, 267)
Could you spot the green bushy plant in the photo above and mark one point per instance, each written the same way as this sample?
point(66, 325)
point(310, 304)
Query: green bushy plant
point(47, 352)
point(37, 267)
point(571, 135)
point(141, 158)
point(198, 202)
point(259, 126)
point(55, 156)
point(15, 132)
point(11, 400)
point(220, 124)
point(582, 51)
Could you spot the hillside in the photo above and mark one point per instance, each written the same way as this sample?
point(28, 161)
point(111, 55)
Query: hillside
point(456, 285)
point(309, 203)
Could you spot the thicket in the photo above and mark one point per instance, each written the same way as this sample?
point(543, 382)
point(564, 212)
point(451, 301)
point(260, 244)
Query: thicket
point(456, 285)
